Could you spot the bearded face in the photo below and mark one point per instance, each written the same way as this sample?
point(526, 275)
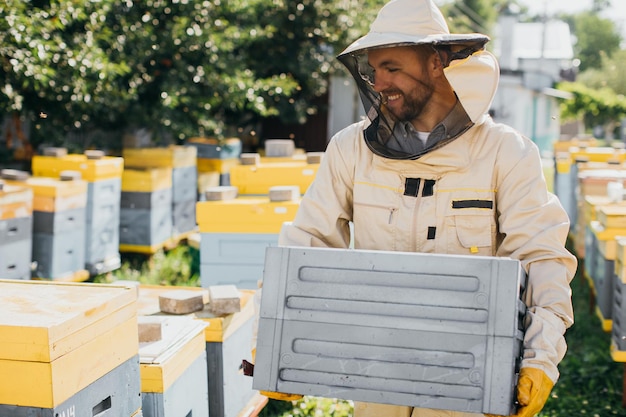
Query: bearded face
point(401, 78)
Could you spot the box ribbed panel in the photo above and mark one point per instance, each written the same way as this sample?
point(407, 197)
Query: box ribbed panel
point(436, 331)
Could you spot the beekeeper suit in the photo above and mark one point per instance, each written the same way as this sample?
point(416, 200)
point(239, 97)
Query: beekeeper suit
point(430, 171)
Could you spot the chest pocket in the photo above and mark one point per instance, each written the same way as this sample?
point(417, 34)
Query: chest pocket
point(471, 226)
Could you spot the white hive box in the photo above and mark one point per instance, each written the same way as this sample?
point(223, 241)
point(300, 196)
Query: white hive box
point(426, 330)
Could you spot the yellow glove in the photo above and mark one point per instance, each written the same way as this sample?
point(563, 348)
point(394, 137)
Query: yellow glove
point(533, 390)
point(276, 395)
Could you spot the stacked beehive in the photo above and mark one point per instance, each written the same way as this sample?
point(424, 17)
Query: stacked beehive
point(215, 159)
point(104, 190)
point(182, 162)
point(59, 223)
point(572, 160)
point(278, 166)
point(618, 328)
point(16, 223)
point(146, 209)
point(68, 350)
point(600, 258)
point(235, 231)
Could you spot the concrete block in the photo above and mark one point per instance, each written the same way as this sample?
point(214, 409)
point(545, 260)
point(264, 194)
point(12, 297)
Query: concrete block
point(279, 147)
point(424, 330)
point(224, 299)
point(250, 158)
point(284, 193)
point(182, 301)
point(54, 151)
point(220, 193)
point(149, 330)
point(314, 157)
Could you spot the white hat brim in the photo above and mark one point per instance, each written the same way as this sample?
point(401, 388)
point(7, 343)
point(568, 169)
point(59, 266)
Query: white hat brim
point(388, 39)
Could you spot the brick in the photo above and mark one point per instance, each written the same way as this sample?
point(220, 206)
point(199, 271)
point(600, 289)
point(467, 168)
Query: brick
point(182, 301)
point(279, 147)
point(250, 159)
point(149, 330)
point(224, 299)
point(221, 193)
point(314, 157)
point(284, 193)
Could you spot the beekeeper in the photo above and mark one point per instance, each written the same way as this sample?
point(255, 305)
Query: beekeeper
point(430, 171)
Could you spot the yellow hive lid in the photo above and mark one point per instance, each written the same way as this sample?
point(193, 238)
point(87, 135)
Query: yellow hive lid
point(41, 320)
point(93, 167)
point(171, 156)
point(146, 180)
point(245, 215)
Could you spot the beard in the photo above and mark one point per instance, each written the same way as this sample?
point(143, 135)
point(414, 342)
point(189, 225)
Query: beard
point(414, 101)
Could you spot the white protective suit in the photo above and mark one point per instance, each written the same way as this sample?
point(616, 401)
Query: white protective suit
point(480, 193)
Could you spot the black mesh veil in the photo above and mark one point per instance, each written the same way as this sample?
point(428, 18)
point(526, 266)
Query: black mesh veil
point(381, 129)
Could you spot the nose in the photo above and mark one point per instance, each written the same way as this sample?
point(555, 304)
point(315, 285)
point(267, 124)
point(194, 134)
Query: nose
point(380, 83)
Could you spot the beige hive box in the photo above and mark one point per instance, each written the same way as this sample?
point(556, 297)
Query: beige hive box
point(58, 338)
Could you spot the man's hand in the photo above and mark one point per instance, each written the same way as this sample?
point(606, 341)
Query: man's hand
point(533, 390)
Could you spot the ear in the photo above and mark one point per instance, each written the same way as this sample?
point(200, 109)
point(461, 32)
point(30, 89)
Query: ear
point(441, 59)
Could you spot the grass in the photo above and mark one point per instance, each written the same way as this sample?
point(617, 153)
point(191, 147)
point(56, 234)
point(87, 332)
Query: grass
point(590, 384)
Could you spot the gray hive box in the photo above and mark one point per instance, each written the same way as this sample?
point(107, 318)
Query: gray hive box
point(424, 330)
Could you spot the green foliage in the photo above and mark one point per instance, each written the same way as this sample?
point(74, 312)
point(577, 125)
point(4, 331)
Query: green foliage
point(308, 407)
point(608, 75)
point(186, 68)
point(468, 16)
point(177, 267)
point(599, 106)
point(595, 36)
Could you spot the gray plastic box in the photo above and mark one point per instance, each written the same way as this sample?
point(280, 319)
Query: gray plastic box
point(424, 330)
point(59, 255)
point(183, 217)
point(146, 227)
point(618, 327)
point(234, 258)
point(145, 200)
point(187, 396)
point(59, 221)
point(15, 259)
point(184, 183)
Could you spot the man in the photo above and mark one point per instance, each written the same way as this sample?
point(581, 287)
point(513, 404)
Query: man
point(430, 171)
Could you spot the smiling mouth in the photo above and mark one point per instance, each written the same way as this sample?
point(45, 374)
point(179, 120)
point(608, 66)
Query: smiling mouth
point(392, 97)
